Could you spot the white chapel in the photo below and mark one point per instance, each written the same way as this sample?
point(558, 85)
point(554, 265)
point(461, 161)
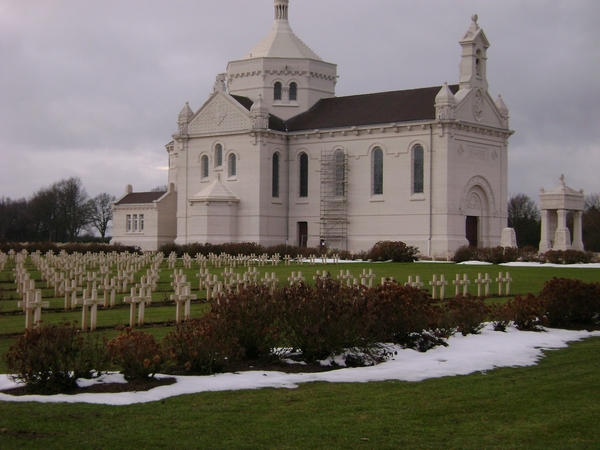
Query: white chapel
point(274, 157)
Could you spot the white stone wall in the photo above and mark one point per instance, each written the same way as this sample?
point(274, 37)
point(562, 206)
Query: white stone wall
point(159, 223)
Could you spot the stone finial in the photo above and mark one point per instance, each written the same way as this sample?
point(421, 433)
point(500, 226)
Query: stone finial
point(259, 114)
point(445, 104)
point(503, 109)
point(220, 83)
point(186, 114)
point(473, 29)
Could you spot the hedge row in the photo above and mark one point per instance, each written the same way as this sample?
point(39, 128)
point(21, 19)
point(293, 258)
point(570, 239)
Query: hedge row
point(261, 324)
point(499, 255)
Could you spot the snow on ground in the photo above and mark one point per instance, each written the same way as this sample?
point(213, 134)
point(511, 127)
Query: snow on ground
point(561, 266)
point(474, 263)
point(464, 355)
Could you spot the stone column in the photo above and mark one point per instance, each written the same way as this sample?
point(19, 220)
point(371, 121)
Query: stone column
point(562, 239)
point(545, 243)
point(577, 231)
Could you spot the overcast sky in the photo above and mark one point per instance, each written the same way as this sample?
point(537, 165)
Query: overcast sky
point(92, 88)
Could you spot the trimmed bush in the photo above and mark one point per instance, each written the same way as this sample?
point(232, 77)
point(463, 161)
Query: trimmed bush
point(568, 257)
point(571, 302)
point(466, 313)
point(50, 359)
point(249, 318)
point(325, 320)
point(137, 354)
point(530, 254)
point(198, 346)
point(395, 251)
point(527, 313)
point(70, 248)
point(403, 315)
point(494, 255)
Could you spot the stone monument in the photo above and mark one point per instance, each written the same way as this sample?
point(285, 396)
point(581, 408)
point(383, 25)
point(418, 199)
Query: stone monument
point(554, 206)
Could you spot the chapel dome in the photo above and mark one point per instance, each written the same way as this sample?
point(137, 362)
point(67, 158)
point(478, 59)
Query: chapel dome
point(281, 42)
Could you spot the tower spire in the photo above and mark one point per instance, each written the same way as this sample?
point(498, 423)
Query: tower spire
point(281, 9)
point(474, 57)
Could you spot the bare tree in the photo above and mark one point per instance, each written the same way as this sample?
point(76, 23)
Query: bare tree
point(591, 223)
point(15, 224)
point(100, 212)
point(524, 217)
point(73, 206)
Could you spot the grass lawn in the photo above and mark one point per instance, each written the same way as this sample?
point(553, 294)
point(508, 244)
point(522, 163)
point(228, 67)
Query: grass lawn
point(555, 404)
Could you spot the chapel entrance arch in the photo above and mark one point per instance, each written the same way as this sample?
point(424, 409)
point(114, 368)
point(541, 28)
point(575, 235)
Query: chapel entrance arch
point(476, 208)
point(472, 230)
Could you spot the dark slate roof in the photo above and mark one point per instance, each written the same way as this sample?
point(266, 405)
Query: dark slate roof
point(275, 123)
point(369, 109)
point(244, 101)
point(140, 197)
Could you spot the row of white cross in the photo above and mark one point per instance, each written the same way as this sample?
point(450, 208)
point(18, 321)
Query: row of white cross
point(141, 294)
point(227, 260)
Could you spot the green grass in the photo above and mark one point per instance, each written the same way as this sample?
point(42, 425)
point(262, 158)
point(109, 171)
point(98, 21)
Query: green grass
point(12, 320)
point(553, 405)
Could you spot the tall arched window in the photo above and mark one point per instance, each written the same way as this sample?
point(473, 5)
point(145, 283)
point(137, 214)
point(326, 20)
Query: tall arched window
point(418, 167)
point(340, 173)
point(232, 165)
point(218, 155)
point(275, 179)
point(303, 192)
point(293, 92)
point(377, 162)
point(277, 91)
point(204, 166)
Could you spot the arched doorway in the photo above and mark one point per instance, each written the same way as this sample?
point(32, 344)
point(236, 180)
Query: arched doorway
point(477, 207)
point(476, 210)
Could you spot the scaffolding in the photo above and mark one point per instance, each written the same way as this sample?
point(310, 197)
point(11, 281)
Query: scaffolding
point(334, 199)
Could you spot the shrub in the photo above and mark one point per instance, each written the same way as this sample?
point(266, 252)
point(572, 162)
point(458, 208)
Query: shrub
point(198, 346)
point(403, 315)
point(466, 313)
point(494, 255)
point(529, 254)
point(568, 257)
point(395, 251)
point(569, 301)
point(324, 320)
point(511, 254)
point(50, 359)
point(137, 354)
point(462, 254)
point(248, 318)
point(526, 312)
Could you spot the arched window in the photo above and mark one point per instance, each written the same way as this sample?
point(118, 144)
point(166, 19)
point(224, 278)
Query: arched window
point(218, 155)
point(303, 192)
point(377, 162)
point(340, 173)
point(277, 91)
point(275, 179)
point(232, 165)
point(418, 166)
point(204, 166)
point(293, 92)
